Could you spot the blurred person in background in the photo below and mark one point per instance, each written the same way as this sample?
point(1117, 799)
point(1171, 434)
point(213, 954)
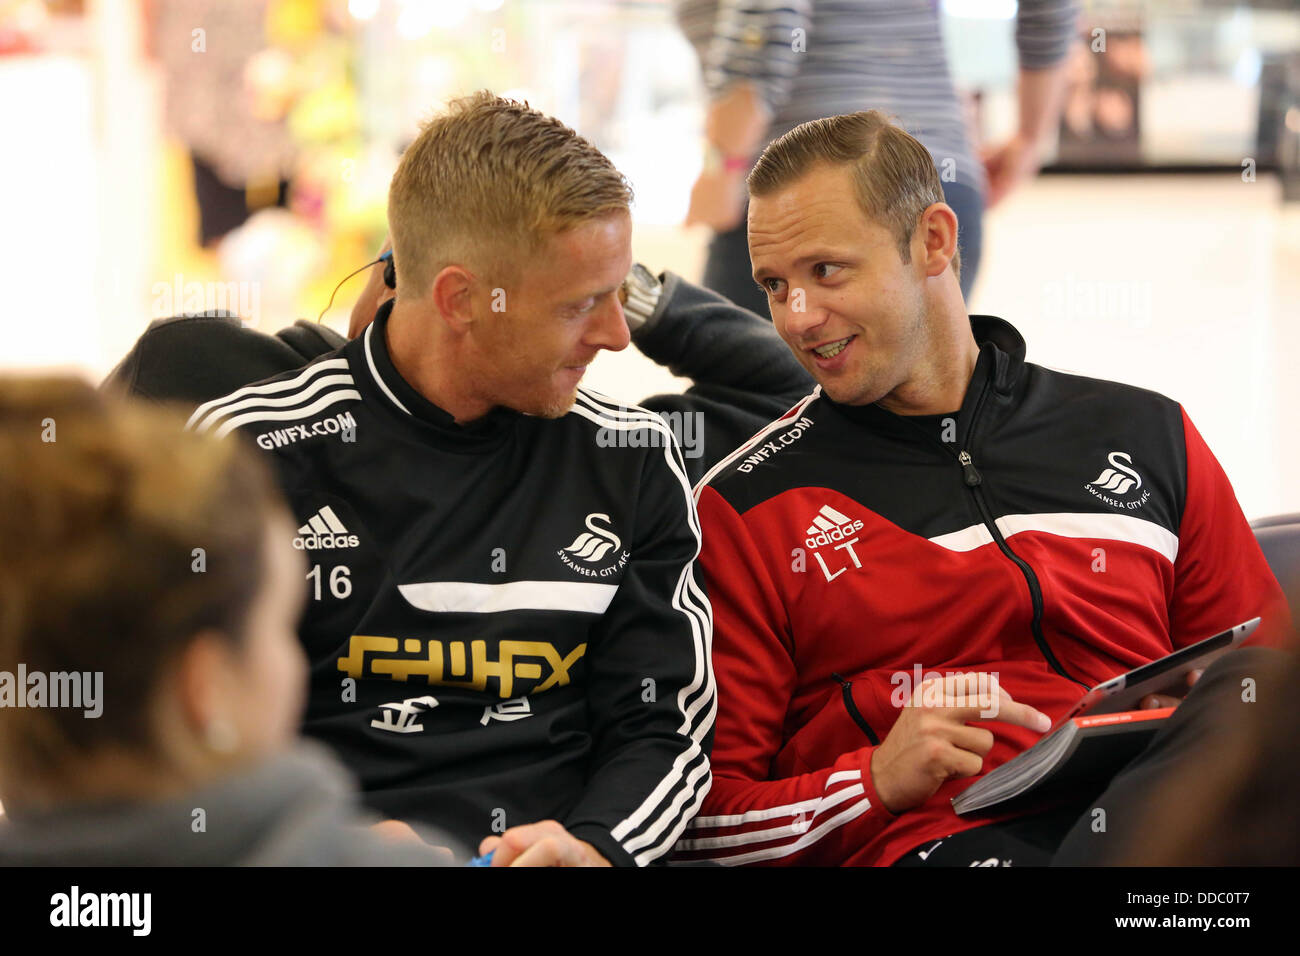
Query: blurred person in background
point(210, 53)
point(769, 66)
point(153, 567)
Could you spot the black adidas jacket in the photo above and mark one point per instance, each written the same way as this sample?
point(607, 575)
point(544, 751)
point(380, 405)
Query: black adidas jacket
point(505, 620)
point(743, 374)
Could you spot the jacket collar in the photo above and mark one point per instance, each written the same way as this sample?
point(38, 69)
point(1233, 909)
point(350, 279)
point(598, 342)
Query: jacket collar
point(1008, 347)
point(401, 400)
point(1000, 364)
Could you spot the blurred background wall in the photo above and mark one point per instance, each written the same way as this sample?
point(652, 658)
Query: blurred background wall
point(1160, 249)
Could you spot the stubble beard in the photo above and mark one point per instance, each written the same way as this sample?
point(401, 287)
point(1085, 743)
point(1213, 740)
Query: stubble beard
point(558, 407)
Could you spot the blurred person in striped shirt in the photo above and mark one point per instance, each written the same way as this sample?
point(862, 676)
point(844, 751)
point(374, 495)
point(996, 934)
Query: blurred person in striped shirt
point(770, 65)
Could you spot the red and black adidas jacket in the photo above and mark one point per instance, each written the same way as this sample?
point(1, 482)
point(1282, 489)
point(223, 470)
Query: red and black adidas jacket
point(1057, 530)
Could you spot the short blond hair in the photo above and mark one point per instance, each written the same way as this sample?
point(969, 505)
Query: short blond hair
point(894, 175)
point(486, 182)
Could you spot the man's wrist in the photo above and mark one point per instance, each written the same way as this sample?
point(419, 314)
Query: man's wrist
point(869, 785)
point(603, 842)
point(640, 296)
point(733, 164)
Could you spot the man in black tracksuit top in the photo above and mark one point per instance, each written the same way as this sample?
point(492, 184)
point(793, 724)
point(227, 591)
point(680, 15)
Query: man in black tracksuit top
point(515, 605)
point(505, 621)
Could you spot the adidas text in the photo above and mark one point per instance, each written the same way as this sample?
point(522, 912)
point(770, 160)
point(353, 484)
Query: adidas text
point(835, 534)
point(325, 542)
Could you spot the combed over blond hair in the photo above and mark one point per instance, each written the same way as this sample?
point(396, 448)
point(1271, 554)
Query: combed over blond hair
point(485, 183)
point(894, 175)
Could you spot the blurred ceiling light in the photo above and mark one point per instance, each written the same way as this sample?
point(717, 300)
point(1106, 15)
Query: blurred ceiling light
point(980, 9)
point(363, 9)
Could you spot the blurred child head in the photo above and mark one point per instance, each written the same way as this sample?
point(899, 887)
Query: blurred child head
point(158, 559)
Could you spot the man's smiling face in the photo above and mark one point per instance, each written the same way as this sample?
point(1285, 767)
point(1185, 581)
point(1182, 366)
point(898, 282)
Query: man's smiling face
point(841, 296)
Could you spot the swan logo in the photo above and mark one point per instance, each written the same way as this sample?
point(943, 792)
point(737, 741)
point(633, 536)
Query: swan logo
point(593, 546)
point(594, 543)
point(1118, 480)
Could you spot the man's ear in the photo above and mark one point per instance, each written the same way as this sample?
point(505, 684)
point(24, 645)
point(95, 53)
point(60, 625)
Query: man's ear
point(937, 231)
point(450, 293)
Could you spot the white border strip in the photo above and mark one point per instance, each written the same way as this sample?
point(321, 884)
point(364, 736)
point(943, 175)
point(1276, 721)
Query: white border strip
point(374, 372)
point(794, 413)
point(1113, 527)
point(271, 388)
point(467, 597)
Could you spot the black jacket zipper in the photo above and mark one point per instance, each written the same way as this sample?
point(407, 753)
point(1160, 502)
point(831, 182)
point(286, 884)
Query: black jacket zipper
point(846, 689)
point(973, 480)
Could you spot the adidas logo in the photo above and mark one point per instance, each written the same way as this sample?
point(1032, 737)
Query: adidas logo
point(324, 530)
point(829, 526)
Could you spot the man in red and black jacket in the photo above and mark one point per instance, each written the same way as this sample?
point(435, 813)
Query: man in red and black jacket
point(937, 506)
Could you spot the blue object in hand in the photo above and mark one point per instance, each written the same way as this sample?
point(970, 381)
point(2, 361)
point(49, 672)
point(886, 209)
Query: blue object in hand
point(485, 860)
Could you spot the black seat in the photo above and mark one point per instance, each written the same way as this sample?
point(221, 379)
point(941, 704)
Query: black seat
point(1279, 539)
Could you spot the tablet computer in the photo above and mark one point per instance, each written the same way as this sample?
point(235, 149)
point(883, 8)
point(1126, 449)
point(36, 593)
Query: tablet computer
point(1168, 675)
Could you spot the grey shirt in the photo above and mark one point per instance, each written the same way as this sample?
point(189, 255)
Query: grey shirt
point(298, 809)
point(815, 58)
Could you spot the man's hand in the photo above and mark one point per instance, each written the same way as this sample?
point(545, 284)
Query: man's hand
point(372, 296)
point(717, 200)
point(734, 126)
point(540, 844)
point(1007, 166)
point(736, 120)
point(931, 742)
point(1153, 701)
point(396, 831)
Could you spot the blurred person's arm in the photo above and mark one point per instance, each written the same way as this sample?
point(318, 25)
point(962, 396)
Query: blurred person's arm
point(748, 72)
point(1045, 30)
